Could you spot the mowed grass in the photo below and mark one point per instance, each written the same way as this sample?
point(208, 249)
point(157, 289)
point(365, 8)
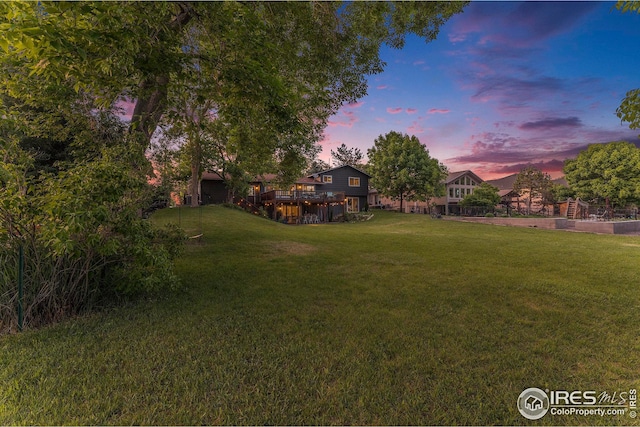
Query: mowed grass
point(398, 320)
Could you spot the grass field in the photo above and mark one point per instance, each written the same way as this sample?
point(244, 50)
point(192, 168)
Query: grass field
point(398, 320)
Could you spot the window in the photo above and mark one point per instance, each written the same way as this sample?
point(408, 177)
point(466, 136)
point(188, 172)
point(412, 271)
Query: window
point(451, 192)
point(457, 193)
point(353, 204)
point(354, 181)
point(327, 178)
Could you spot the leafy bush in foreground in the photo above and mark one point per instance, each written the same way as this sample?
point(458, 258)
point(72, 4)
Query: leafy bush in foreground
point(83, 237)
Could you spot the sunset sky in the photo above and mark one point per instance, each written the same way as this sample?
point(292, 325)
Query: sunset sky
point(506, 84)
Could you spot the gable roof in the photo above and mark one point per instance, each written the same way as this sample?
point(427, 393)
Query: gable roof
point(561, 181)
point(268, 177)
point(339, 167)
point(504, 183)
point(455, 175)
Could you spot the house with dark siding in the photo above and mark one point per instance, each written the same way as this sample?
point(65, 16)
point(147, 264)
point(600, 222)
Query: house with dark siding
point(321, 197)
point(353, 182)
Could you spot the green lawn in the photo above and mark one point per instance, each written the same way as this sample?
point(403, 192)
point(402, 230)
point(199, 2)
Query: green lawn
point(399, 320)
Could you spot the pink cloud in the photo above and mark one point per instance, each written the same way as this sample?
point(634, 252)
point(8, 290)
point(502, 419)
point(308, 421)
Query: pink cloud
point(438, 111)
point(355, 104)
point(457, 37)
point(344, 119)
point(382, 87)
point(394, 110)
point(411, 110)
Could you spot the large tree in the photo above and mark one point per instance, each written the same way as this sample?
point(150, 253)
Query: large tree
point(533, 183)
point(344, 155)
point(606, 171)
point(629, 109)
point(401, 168)
point(311, 54)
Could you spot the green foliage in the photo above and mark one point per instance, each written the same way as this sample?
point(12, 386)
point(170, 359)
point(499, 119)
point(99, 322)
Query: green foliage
point(81, 229)
point(316, 165)
point(560, 193)
point(273, 72)
point(532, 183)
point(489, 215)
point(606, 171)
point(401, 168)
point(484, 195)
point(347, 156)
point(628, 6)
point(629, 109)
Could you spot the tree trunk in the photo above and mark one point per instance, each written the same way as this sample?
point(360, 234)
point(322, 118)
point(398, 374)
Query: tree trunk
point(149, 108)
point(194, 184)
point(151, 102)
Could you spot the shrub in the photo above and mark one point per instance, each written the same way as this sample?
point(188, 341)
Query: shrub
point(489, 215)
point(83, 237)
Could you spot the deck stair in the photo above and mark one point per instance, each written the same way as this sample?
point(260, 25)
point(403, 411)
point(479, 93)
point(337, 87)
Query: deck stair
point(571, 209)
point(576, 208)
point(246, 205)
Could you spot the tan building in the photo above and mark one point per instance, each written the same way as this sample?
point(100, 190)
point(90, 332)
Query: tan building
point(457, 185)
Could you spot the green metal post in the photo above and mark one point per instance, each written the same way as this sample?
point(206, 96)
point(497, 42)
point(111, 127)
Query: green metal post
point(20, 290)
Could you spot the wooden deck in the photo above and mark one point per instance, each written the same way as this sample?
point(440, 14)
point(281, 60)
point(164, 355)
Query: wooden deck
point(299, 196)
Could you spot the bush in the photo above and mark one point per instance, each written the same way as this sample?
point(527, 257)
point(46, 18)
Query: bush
point(83, 236)
point(489, 215)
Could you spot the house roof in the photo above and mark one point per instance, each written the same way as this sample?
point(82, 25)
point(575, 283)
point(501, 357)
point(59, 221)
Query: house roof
point(455, 175)
point(561, 181)
point(211, 176)
point(503, 193)
point(504, 183)
point(339, 167)
point(214, 176)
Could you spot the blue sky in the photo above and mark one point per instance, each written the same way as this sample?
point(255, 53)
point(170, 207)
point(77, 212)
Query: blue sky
point(506, 84)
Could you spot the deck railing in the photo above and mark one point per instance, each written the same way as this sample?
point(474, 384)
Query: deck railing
point(302, 196)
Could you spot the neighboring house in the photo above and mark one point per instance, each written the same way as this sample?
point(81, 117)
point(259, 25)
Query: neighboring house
point(519, 202)
point(457, 185)
point(504, 185)
point(316, 198)
point(212, 189)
